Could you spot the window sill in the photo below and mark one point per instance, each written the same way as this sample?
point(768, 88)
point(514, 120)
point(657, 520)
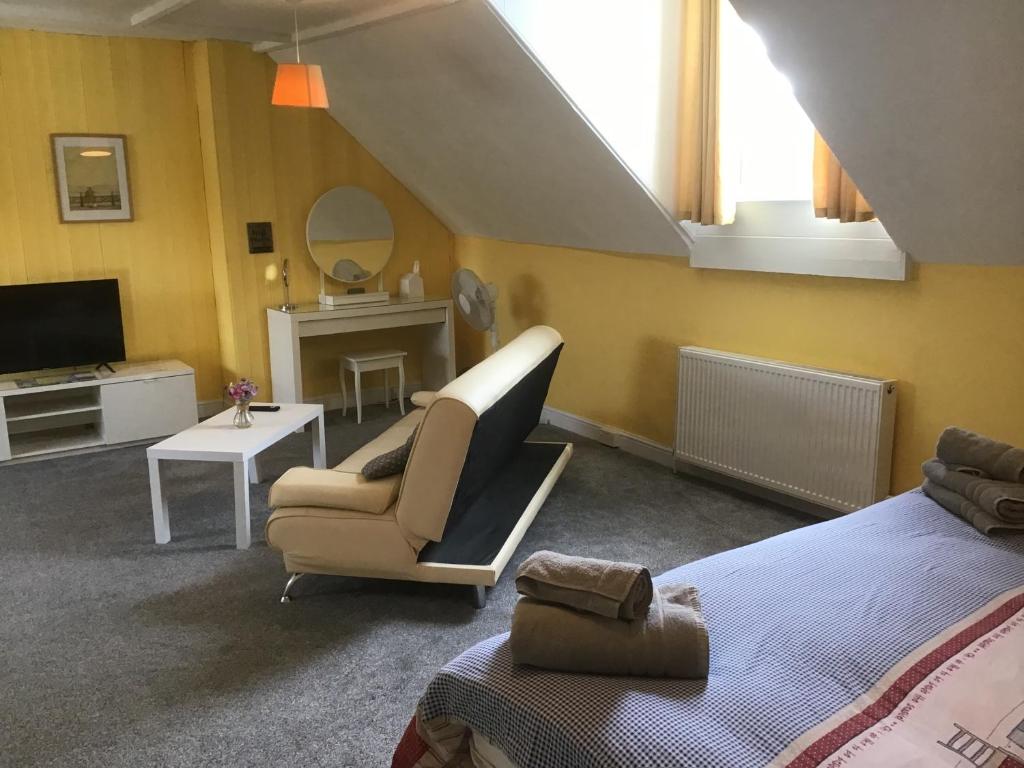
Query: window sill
point(785, 237)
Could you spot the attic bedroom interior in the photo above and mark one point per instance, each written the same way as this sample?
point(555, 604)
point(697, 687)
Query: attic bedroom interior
point(512, 383)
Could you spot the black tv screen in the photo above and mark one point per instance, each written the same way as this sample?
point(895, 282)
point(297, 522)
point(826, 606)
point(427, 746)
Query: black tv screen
point(60, 325)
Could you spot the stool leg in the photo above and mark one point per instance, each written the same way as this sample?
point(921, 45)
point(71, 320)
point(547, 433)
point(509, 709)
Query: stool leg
point(359, 397)
point(401, 387)
point(387, 395)
point(344, 390)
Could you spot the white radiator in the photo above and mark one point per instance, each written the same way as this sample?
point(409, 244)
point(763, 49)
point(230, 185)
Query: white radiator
point(817, 435)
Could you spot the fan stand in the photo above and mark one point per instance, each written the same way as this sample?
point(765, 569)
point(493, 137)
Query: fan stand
point(380, 296)
point(495, 343)
point(492, 289)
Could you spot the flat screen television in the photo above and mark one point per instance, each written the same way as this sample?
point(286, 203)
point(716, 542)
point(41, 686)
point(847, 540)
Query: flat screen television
point(60, 325)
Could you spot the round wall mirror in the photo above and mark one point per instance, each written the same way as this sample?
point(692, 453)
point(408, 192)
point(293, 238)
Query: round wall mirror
point(349, 234)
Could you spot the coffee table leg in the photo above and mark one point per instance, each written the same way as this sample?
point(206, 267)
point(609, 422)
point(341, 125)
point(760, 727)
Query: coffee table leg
point(161, 519)
point(254, 471)
point(319, 444)
point(242, 536)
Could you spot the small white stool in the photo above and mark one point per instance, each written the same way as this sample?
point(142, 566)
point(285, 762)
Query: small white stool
point(364, 362)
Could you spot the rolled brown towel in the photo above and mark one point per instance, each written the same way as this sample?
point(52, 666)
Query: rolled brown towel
point(999, 498)
point(615, 590)
point(997, 460)
point(671, 641)
point(968, 510)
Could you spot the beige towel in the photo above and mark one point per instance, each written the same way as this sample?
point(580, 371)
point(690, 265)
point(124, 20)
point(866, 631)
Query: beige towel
point(1002, 500)
point(671, 642)
point(615, 590)
point(997, 460)
point(968, 510)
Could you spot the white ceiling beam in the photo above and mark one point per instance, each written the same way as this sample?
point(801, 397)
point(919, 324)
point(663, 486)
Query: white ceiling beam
point(385, 12)
point(158, 10)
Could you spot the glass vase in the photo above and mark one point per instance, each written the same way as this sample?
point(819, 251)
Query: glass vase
point(243, 418)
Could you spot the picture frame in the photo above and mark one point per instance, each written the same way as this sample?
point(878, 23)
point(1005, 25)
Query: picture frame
point(91, 174)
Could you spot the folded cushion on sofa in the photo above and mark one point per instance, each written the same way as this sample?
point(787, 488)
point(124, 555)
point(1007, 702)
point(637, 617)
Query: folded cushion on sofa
point(391, 463)
point(305, 487)
point(390, 439)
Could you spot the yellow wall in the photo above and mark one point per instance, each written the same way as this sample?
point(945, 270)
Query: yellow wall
point(952, 335)
point(207, 153)
point(269, 163)
point(69, 84)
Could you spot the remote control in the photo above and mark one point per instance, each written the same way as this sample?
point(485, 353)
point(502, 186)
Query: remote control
point(265, 408)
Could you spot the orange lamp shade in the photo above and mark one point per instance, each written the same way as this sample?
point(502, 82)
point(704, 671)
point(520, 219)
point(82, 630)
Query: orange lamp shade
point(299, 85)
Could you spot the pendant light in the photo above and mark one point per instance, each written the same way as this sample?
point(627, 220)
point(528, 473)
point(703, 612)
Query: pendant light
point(298, 84)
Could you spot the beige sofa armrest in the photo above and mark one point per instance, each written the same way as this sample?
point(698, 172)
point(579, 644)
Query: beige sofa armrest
point(305, 487)
point(423, 398)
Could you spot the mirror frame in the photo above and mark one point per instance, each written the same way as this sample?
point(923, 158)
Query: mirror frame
point(370, 197)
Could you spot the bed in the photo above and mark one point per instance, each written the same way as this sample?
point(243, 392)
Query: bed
point(893, 636)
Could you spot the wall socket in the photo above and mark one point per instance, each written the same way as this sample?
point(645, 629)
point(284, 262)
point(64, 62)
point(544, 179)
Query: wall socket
point(261, 236)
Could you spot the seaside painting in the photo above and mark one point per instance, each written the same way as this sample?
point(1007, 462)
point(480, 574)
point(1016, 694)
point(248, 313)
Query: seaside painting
point(91, 173)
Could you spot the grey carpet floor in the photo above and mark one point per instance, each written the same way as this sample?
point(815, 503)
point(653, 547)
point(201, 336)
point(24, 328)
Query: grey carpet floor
point(117, 652)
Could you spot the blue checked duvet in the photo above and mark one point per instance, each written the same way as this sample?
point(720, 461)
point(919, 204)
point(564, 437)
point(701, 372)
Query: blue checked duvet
point(800, 625)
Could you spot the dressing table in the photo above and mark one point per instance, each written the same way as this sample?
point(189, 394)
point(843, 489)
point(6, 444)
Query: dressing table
point(287, 329)
point(350, 237)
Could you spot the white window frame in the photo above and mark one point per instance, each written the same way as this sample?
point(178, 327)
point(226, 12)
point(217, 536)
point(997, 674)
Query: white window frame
point(784, 236)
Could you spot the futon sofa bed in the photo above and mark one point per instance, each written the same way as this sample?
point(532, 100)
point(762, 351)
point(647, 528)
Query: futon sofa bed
point(471, 487)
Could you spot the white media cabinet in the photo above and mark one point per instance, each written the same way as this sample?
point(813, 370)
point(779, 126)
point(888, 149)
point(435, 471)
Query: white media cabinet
point(139, 401)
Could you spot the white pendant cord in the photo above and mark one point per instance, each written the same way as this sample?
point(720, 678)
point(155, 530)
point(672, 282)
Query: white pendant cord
point(295, 13)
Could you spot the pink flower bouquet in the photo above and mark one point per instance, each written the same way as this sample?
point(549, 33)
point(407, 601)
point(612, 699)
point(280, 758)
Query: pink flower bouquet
point(243, 391)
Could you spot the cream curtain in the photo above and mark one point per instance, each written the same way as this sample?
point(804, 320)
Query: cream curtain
point(701, 194)
point(835, 194)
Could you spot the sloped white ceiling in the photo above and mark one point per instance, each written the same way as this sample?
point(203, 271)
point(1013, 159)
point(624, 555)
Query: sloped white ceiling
point(922, 101)
point(458, 110)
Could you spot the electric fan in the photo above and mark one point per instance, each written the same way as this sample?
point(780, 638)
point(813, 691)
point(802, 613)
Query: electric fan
point(475, 300)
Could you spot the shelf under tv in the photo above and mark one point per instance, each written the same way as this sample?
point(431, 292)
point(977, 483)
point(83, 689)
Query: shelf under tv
point(55, 439)
point(139, 401)
point(41, 405)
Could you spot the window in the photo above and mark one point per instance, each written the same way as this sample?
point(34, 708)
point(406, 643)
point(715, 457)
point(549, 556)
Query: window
point(769, 140)
point(763, 125)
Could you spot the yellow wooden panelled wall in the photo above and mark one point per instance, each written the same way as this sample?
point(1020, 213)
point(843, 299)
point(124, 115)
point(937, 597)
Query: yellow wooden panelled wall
point(69, 84)
point(206, 153)
point(272, 163)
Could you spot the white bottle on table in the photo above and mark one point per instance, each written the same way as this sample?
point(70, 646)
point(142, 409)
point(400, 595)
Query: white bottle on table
point(411, 284)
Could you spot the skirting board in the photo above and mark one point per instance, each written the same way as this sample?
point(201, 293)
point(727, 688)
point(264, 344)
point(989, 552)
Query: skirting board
point(610, 436)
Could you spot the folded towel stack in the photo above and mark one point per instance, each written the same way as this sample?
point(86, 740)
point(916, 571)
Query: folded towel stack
point(583, 615)
point(615, 590)
point(978, 479)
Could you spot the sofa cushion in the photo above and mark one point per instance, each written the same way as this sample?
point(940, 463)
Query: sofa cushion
point(432, 473)
point(318, 540)
point(305, 487)
point(391, 463)
point(390, 439)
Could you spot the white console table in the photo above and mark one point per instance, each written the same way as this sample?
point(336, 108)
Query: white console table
point(139, 401)
point(287, 329)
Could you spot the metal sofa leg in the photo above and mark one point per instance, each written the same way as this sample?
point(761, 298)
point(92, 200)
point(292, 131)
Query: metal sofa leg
point(479, 596)
point(285, 597)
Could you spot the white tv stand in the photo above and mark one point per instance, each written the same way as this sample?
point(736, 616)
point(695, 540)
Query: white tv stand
point(139, 401)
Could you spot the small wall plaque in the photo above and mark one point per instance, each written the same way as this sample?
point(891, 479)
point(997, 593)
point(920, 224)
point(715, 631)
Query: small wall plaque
point(261, 236)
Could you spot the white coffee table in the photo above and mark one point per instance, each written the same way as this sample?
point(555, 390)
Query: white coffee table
point(217, 439)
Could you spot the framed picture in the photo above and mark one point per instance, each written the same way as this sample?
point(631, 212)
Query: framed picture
point(92, 177)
